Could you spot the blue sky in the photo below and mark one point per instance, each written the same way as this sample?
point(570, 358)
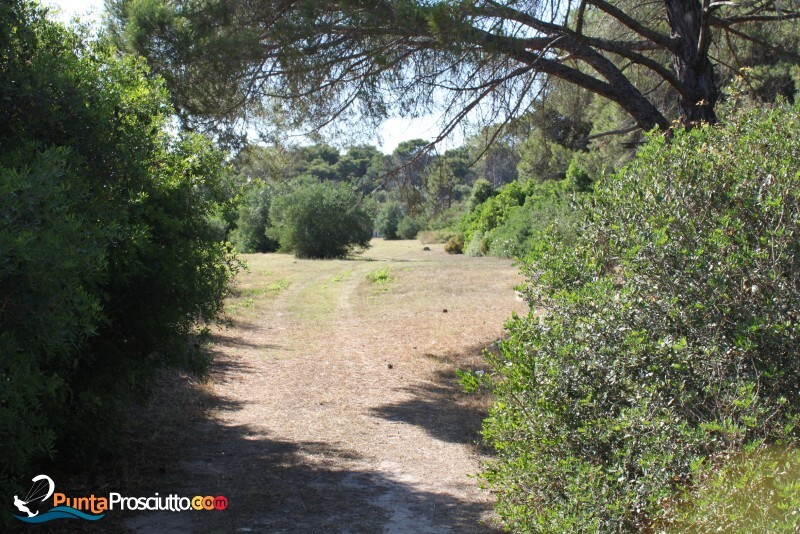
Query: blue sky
point(393, 132)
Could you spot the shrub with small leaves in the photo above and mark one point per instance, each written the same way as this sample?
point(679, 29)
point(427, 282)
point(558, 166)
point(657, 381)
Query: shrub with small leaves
point(250, 234)
point(667, 336)
point(409, 227)
point(756, 490)
point(388, 220)
point(108, 256)
point(321, 220)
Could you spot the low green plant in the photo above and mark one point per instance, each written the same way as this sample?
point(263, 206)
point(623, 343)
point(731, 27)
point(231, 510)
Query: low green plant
point(667, 340)
point(756, 490)
point(278, 285)
point(380, 276)
point(342, 276)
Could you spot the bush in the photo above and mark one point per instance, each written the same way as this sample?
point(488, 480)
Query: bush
point(250, 234)
point(754, 491)
point(478, 245)
point(388, 220)
point(495, 210)
point(549, 207)
point(482, 191)
point(578, 178)
point(513, 221)
point(321, 220)
point(409, 227)
point(109, 256)
point(669, 340)
point(455, 245)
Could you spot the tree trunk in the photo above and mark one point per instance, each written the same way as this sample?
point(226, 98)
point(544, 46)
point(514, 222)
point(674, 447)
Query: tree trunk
point(692, 33)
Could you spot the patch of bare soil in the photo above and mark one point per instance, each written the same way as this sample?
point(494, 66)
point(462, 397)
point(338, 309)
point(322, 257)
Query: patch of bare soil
point(333, 404)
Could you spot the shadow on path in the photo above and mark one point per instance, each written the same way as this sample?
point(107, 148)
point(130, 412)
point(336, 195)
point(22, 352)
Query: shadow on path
point(440, 406)
point(176, 446)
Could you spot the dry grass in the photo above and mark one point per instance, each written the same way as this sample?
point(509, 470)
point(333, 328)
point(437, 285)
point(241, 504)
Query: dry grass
point(428, 237)
point(340, 394)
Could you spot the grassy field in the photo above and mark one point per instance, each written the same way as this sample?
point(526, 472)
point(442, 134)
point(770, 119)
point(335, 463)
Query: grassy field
point(332, 405)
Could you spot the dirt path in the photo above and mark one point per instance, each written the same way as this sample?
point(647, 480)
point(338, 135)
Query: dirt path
point(334, 406)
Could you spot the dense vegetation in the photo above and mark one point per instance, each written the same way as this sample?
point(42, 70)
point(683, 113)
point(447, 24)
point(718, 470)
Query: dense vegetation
point(108, 258)
point(667, 345)
point(321, 220)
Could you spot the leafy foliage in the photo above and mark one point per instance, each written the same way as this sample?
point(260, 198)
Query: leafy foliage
point(321, 220)
point(550, 212)
point(513, 221)
point(409, 227)
point(388, 219)
point(668, 335)
point(250, 234)
point(756, 490)
point(109, 259)
point(482, 191)
point(380, 276)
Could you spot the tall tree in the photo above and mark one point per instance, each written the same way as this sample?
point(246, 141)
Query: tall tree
point(407, 181)
point(366, 57)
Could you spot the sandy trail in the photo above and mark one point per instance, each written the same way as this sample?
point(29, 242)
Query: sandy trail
point(334, 406)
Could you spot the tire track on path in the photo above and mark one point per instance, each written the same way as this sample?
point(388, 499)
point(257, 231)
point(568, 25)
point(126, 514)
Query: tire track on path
point(336, 408)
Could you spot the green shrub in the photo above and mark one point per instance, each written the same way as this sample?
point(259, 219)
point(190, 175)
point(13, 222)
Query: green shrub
point(409, 227)
point(109, 257)
point(578, 178)
point(482, 191)
point(478, 245)
point(51, 270)
point(752, 491)
point(321, 220)
point(388, 220)
point(669, 339)
point(513, 221)
point(549, 206)
point(495, 210)
point(250, 234)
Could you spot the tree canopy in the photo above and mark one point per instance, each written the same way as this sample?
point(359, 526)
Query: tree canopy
point(230, 59)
